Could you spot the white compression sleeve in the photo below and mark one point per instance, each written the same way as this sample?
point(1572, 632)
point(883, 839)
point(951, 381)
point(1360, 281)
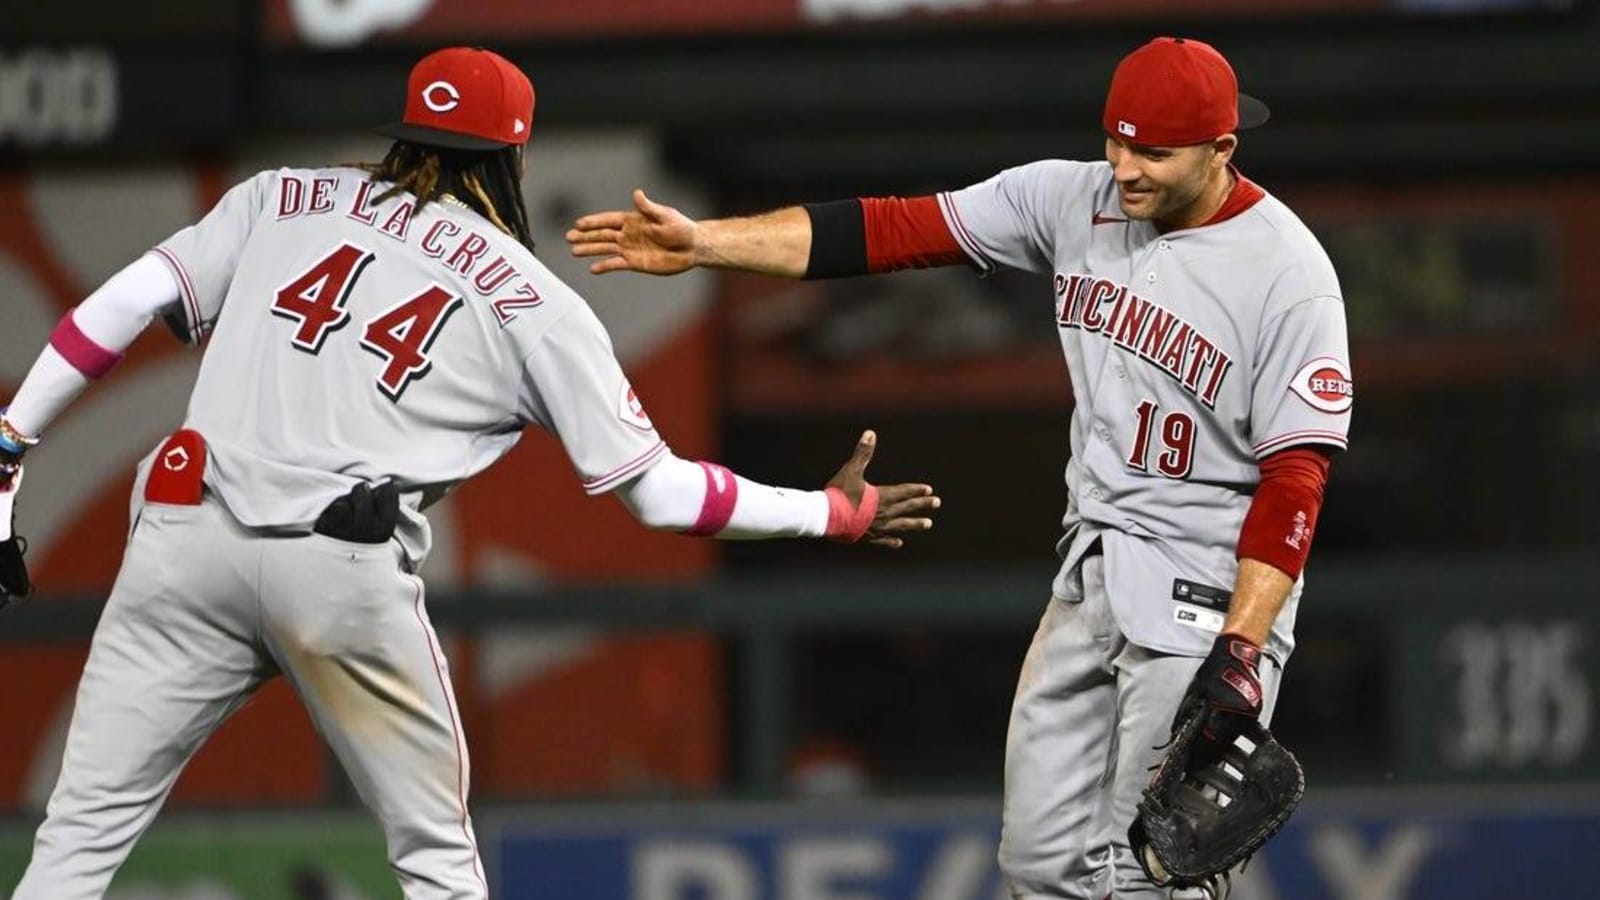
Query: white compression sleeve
point(671, 494)
point(51, 384)
point(122, 308)
point(111, 317)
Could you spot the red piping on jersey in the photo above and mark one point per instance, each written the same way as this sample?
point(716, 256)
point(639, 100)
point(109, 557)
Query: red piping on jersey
point(722, 495)
point(602, 483)
point(186, 287)
point(1243, 195)
point(80, 350)
point(1283, 515)
point(947, 204)
point(907, 233)
point(1305, 436)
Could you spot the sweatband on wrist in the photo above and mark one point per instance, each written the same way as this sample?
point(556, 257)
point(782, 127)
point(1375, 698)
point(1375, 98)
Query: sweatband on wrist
point(838, 240)
point(80, 350)
point(847, 522)
point(722, 495)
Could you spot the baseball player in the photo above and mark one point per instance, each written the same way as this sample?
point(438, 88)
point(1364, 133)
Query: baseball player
point(376, 337)
point(1204, 333)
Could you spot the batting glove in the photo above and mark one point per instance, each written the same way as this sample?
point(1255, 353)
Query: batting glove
point(1229, 688)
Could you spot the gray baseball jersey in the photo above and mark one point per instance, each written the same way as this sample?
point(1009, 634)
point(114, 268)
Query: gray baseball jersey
point(1193, 354)
point(355, 340)
point(350, 340)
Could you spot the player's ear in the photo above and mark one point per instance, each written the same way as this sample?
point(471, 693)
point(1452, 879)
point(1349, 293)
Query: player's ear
point(1223, 148)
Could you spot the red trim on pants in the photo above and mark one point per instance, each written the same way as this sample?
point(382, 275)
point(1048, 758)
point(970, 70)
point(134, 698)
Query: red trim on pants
point(455, 734)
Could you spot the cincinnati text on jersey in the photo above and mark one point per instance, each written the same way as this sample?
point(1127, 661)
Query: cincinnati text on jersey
point(1161, 337)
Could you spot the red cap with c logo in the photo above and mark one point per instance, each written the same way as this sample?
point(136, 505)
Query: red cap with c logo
point(466, 98)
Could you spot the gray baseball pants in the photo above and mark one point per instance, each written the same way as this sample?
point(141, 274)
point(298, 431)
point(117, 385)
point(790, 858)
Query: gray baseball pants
point(203, 612)
point(1089, 711)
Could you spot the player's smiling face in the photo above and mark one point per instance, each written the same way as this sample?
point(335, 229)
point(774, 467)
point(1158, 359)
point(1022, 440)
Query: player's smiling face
point(1174, 186)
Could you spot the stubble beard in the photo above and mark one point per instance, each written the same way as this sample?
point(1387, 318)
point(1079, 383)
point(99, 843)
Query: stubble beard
point(1166, 200)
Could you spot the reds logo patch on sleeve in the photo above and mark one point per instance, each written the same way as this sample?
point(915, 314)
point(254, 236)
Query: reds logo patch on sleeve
point(631, 409)
point(1325, 383)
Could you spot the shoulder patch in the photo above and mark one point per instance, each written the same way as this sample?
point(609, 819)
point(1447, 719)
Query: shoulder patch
point(630, 408)
point(1325, 384)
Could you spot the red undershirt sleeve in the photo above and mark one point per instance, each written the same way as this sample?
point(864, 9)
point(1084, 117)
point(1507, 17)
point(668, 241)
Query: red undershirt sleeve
point(1283, 515)
point(908, 233)
point(879, 234)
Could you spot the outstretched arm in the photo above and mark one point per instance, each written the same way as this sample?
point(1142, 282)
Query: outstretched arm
point(707, 500)
point(819, 240)
point(660, 240)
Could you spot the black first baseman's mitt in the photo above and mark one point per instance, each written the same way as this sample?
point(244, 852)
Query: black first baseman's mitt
point(1199, 819)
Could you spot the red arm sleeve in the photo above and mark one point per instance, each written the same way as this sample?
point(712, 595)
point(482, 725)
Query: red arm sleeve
point(907, 233)
point(1283, 515)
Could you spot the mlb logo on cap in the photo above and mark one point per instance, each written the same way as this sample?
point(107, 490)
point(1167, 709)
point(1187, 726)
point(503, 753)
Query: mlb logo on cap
point(1181, 92)
point(465, 98)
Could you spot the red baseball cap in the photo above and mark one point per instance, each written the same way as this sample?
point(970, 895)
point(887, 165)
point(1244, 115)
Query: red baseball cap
point(465, 98)
point(1173, 92)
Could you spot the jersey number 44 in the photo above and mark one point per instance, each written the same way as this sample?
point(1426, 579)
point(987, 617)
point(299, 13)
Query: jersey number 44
point(399, 335)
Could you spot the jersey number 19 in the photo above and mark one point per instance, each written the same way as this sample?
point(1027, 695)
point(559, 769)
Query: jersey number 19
point(1177, 437)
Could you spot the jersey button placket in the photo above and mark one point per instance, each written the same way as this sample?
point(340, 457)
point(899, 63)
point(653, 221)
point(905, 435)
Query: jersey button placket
point(1162, 245)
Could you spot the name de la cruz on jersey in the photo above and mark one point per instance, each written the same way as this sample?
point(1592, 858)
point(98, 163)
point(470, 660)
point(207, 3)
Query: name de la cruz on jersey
point(1158, 335)
point(460, 248)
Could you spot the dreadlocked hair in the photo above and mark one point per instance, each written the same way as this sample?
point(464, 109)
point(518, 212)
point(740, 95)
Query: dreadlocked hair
point(487, 181)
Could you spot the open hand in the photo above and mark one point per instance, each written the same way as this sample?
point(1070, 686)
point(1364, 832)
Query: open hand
point(878, 514)
point(650, 238)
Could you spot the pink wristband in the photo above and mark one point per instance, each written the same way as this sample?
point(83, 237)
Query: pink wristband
point(846, 521)
point(722, 494)
point(80, 351)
